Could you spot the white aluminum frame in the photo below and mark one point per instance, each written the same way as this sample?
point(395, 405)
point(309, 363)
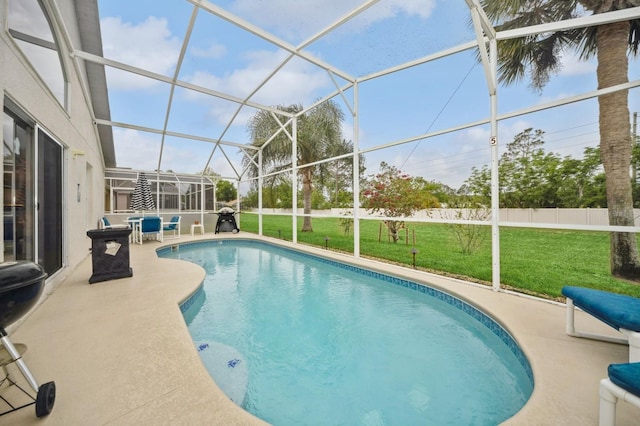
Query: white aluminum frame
point(485, 34)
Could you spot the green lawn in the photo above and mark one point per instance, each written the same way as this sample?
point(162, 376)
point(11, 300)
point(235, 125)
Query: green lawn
point(533, 261)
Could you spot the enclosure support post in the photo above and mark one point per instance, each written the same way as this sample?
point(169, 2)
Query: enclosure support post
point(495, 189)
point(356, 172)
point(215, 194)
point(260, 183)
point(238, 224)
point(294, 179)
point(202, 200)
point(484, 29)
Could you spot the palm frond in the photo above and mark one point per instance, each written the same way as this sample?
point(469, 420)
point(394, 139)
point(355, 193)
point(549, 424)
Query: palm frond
point(537, 57)
point(317, 129)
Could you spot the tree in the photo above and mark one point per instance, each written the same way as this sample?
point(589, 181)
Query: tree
point(396, 194)
point(478, 186)
point(226, 191)
point(529, 175)
point(531, 178)
point(538, 56)
point(275, 196)
point(317, 131)
point(582, 181)
point(250, 199)
point(336, 176)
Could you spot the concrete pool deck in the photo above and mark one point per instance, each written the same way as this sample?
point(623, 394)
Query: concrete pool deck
point(120, 352)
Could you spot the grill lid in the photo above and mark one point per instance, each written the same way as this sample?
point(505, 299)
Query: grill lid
point(19, 274)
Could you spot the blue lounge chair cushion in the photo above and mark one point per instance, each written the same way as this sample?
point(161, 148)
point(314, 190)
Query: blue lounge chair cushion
point(627, 376)
point(151, 224)
point(173, 224)
point(617, 310)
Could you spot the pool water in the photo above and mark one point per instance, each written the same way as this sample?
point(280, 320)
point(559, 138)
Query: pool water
point(299, 340)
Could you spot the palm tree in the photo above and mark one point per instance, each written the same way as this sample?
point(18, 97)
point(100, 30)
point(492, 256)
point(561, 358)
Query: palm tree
point(317, 131)
point(538, 56)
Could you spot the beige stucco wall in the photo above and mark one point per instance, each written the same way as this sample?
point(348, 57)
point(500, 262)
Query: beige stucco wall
point(73, 128)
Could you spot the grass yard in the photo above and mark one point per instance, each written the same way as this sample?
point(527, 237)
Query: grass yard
point(533, 261)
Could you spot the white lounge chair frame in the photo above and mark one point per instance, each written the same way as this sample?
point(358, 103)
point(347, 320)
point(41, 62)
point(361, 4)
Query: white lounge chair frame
point(112, 225)
point(610, 393)
point(176, 231)
point(158, 234)
point(631, 338)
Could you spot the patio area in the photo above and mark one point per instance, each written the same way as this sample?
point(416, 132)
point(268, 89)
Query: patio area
point(120, 352)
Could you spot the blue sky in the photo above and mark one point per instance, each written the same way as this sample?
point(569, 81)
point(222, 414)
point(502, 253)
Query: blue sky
point(448, 92)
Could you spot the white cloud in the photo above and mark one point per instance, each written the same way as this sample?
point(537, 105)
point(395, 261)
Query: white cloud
point(304, 18)
point(141, 151)
point(297, 82)
point(222, 166)
point(214, 51)
point(149, 45)
point(392, 8)
point(136, 150)
point(478, 134)
point(573, 65)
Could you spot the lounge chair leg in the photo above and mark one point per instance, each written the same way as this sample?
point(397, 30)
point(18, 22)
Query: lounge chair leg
point(570, 324)
point(634, 346)
point(608, 403)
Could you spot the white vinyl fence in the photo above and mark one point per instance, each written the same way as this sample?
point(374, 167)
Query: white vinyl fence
point(588, 216)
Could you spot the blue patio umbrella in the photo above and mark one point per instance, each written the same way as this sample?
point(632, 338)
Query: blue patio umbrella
point(142, 198)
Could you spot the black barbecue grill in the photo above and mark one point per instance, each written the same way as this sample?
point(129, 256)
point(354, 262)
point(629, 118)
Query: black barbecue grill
point(21, 284)
point(226, 221)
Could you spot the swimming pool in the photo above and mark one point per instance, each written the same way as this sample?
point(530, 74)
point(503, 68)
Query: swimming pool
point(296, 339)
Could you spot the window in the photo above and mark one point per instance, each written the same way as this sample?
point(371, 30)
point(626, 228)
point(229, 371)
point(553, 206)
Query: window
point(31, 31)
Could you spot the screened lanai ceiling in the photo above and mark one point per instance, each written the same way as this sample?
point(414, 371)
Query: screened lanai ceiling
point(185, 76)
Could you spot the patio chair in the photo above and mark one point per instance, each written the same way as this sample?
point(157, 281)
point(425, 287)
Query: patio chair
point(150, 226)
point(108, 225)
point(616, 310)
point(172, 226)
point(623, 383)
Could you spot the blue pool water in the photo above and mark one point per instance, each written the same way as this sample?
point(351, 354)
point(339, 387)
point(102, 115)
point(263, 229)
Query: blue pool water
point(299, 340)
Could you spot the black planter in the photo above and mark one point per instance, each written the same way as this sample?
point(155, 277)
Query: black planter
point(110, 254)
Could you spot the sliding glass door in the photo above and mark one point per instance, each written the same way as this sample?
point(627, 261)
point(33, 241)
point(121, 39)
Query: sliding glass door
point(18, 186)
point(50, 238)
point(32, 194)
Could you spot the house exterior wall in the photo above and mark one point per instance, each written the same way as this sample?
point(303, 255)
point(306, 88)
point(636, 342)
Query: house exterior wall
point(83, 175)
